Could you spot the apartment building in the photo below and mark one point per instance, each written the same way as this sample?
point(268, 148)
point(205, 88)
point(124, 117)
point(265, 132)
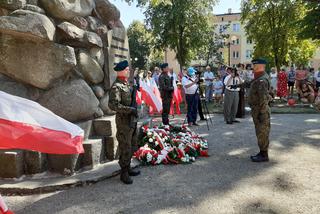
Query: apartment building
point(237, 48)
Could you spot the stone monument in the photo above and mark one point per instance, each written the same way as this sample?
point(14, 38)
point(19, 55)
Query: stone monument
point(61, 54)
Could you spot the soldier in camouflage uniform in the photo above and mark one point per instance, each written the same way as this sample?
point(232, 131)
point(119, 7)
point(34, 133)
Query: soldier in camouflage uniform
point(120, 102)
point(259, 99)
point(166, 90)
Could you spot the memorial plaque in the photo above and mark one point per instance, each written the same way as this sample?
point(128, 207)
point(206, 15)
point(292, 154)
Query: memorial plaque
point(118, 47)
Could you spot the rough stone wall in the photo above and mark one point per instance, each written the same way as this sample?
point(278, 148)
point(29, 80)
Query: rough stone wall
point(60, 53)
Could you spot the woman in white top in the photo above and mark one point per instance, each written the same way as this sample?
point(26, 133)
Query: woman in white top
point(191, 87)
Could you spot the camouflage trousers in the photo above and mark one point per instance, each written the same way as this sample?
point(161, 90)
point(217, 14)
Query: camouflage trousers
point(127, 139)
point(262, 125)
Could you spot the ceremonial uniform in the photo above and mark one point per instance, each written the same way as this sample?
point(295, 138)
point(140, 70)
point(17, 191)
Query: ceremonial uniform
point(120, 102)
point(166, 91)
point(259, 98)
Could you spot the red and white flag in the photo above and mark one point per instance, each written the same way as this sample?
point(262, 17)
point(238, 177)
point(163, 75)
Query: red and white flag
point(150, 95)
point(3, 207)
point(25, 124)
point(176, 100)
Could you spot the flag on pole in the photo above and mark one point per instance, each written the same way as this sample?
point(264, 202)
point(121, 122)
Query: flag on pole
point(3, 207)
point(25, 124)
point(176, 100)
point(150, 95)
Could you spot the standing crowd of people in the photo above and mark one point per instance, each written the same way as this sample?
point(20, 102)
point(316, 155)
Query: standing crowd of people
point(224, 87)
point(297, 82)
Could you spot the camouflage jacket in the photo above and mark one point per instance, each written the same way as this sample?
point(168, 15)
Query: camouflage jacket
point(120, 97)
point(165, 85)
point(259, 96)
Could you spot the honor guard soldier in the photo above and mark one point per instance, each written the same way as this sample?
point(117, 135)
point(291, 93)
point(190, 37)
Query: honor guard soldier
point(166, 91)
point(120, 101)
point(259, 99)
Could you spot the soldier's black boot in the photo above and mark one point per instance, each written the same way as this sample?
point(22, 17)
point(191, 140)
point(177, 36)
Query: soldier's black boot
point(260, 157)
point(124, 176)
point(133, 172)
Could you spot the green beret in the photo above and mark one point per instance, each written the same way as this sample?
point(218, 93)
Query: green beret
point(121, 65)
point(259, 61)
point(164, 65)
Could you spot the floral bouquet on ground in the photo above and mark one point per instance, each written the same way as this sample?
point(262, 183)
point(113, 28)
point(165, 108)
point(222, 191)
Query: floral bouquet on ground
point(170, 144)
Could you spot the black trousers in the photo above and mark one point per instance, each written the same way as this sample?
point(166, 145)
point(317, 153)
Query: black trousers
point(166, 104)
point(200, 110)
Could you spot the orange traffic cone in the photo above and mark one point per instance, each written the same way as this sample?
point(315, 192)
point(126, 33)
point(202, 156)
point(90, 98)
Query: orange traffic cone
point(3, 207)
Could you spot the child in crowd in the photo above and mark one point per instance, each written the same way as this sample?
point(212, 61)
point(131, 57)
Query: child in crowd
point(218, 87)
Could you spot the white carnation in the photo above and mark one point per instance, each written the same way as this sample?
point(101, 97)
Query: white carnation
point(150, 140)
point(149, 157)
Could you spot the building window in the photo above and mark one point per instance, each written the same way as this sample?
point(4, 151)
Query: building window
point(249, 54)
point(222, 28)
point(222, 19)
point(249, 41)
point(236, 42)
point(221, 54)
point(236, 27)
point(235, 54)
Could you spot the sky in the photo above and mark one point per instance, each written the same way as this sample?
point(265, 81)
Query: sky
point(130, 13)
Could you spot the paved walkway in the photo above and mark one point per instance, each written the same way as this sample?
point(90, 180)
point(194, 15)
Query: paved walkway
point(226, 182)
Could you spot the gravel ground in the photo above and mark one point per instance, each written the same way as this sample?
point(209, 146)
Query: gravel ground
point(226, 182)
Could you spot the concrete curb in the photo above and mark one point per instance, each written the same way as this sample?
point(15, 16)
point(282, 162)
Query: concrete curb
point(31, 186)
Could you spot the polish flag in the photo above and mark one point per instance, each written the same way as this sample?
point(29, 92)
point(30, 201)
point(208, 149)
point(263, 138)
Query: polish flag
point(138, 98)
point(27, 125)
point(3, 207)
point(150, 95)
point(176, 100)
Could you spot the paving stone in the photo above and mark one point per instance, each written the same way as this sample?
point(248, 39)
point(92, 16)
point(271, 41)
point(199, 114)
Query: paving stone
point(34, 162)
point(105, 126)
point(28, 186)
point(94, 153)
point(11, 164)
point(111, 147)
point(64, 164)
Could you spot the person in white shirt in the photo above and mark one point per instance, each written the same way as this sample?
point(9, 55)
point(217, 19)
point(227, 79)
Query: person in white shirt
point(191, 87)
point(156, 75)
point(218, 87)
point(231, 99)
point(208, 77)
point(317, 79)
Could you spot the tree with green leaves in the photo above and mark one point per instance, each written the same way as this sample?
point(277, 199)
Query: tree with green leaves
point(140, 44)
point(209, 52)
point(181, 25)
point(273, 25)
point(310, 24)
point(301, 51)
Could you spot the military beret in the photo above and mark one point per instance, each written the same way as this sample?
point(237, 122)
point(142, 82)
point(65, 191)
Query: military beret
point(164, 65)
point(259, 61)
point(121, 65)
